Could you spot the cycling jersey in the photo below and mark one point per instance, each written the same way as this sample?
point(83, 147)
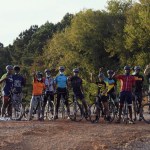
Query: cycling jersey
point(49, 83)
point(111, 84)
point(38, 87)
point(102, 86)
point(7, 84)
point(127, 82)
point(61, 81)
point(18, 83)
point(76, 83)
point(139, 82)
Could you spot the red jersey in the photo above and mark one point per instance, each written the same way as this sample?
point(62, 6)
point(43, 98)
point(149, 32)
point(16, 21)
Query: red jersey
point(127, 82)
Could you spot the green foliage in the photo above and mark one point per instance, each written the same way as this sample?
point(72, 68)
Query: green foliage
point(87, 40)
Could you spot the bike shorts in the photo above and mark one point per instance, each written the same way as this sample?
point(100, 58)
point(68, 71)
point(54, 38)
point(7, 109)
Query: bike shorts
point(139, 96)
point(17, 97)
point(48, 94)
point(5, 93)
point(79, 96)
point(104, 98)
point(35, 100)
point(114, 97)
point(126, 96)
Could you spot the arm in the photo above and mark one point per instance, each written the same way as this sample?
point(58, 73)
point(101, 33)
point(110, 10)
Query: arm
point(4, 77)
point(147, 70)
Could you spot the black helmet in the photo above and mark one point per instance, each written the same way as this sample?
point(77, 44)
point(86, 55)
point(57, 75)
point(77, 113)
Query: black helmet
point(110, 71)
point(101, 75)
point(16, 67)
point(76, 70)
point(47, 70)
point(40, 74)
point(9, 67)
point(62, 68)
point(127, 68)
point(137, 68)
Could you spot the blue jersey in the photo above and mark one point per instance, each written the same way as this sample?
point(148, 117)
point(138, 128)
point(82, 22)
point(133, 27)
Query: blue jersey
point(7, 84)
point(61, 81)
point(18, 83)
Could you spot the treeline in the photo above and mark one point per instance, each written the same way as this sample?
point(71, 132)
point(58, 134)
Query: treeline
point(89, 39)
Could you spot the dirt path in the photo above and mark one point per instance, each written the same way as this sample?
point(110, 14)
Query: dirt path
point(60, 135)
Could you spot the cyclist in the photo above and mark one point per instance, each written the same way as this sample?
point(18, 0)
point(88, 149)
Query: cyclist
point(49, 91)
point(76, 84)
point(127, 83)
point(61, 82)
point(37, 94)
point(112, 87)
point(102, 94)
point(18, 84)
point(138, 87)
point(147, 74)
point(7, 83)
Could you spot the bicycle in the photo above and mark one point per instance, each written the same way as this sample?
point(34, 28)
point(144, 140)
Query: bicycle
point(62, 110)
point(113, 110)
point(49, 109)
point(36, 109)
point(17, 108)
point(77, 110)
point(125, 113)
point(97, 110)
point(145, 110)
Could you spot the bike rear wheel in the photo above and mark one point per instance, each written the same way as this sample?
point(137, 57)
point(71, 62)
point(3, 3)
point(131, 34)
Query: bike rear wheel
point(146, 113)
point(76, 112)
point(17, 112)
point(49, 111)
point(94, 114)
point(111, 111)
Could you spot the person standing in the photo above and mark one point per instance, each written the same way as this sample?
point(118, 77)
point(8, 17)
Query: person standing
point(61, 82)
point(7, 84)
point(127, 84)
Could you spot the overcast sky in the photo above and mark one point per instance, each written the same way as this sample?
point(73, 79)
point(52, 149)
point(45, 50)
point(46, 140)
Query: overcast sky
point(18, 15)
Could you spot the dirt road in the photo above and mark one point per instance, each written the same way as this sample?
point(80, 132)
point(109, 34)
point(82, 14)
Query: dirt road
point(61, 135)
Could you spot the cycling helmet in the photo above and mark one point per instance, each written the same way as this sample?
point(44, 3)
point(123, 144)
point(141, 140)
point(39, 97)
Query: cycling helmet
point(110, 71)
point(137, 68)
point(47, 70)
point(127, 68)
point(39, 74)
point(62, 68)
point(101, 75)
point(9, 67)
point(16, 67)
point(76, 70)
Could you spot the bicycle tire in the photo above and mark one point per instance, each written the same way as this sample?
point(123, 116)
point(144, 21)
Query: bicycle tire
point(111, 112)
point(93, 112)
point(125, 113)
point(76, 112)
point(146, 113)
point(49, 113)
point(17, 112)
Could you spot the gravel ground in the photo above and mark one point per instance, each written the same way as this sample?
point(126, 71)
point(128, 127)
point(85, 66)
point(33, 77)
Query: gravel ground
point(67, 135)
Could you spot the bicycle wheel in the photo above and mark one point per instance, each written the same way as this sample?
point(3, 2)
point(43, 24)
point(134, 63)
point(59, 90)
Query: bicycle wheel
point(62, 109)
point(146, 113)
point(50, 110)
point(125, 114)
point(95, 114)
point(17, 112)
point(111, 111)
point(76, 111)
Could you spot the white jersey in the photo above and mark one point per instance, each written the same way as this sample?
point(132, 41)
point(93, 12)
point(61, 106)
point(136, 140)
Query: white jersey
point(49, 82)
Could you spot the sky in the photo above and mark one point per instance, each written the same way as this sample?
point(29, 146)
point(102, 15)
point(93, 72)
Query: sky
point(18, 15)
